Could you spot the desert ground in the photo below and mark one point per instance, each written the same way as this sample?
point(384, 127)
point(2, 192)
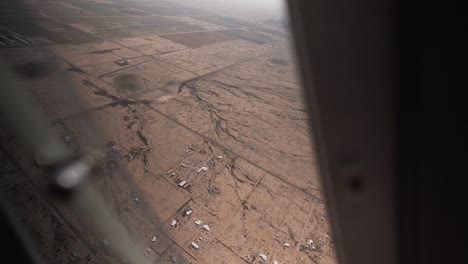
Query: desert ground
point(185, 109)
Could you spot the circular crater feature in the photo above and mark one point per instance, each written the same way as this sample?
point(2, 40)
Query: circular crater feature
point(129, 83)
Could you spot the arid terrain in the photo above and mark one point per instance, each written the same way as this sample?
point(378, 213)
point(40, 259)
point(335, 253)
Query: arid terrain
point(185, 109)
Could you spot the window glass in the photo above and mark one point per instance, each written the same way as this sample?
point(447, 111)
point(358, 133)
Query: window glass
point(195, 116)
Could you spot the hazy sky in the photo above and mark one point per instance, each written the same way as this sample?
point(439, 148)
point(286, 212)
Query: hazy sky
point(275, 6)
point(278, 4)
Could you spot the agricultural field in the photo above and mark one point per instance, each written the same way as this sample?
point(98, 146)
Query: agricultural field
point(195, 120)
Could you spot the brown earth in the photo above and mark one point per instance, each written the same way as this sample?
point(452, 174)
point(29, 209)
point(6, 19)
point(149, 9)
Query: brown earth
point(198, 39)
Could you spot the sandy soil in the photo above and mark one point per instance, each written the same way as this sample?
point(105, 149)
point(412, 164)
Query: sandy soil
point(196, 22)
point(198, 39)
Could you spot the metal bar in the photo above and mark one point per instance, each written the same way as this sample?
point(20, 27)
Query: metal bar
point(345, 56)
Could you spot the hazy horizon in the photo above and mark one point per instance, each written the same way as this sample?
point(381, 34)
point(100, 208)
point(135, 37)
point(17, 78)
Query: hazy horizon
point(263, 8)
